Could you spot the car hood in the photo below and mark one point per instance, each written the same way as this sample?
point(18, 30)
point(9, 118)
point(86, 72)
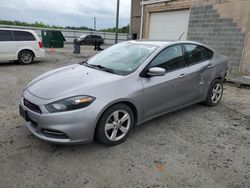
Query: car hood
point(68, 80)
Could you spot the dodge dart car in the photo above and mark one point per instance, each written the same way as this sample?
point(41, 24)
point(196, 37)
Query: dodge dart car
point(127, 84)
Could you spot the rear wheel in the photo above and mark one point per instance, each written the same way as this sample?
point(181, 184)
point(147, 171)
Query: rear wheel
point(26, 57)
point(115, 125)
point(215, 93)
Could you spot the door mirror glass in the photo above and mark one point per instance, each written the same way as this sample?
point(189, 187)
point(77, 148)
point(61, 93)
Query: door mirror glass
point(156, 71)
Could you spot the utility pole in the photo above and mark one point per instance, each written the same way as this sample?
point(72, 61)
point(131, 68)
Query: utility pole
point(117, 21)
point(94, 23)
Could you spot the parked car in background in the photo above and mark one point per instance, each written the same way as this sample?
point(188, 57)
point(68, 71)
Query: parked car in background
point(122, 86)
point(90, 40)
point(21, 45)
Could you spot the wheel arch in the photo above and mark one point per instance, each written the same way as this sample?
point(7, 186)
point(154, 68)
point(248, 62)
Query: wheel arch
point(221, 78)
point(126, 102)
point(25, 49)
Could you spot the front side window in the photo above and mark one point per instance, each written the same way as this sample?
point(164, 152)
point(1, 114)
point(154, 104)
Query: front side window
point(5, 35)
point(170, 59)
point(197, 53)
point(23, 36)
point(123, 58)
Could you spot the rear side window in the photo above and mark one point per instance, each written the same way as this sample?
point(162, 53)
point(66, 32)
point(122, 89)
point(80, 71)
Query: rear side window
point(5, 35)
point(197, 53)
point(23, 36)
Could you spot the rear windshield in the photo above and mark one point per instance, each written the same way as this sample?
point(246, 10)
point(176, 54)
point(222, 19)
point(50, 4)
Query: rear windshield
point(23, 36)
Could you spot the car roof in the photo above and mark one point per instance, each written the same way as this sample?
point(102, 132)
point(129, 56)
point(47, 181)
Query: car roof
point(165, 43)
point(149, 42)
point(84, 35)
point(12, 29)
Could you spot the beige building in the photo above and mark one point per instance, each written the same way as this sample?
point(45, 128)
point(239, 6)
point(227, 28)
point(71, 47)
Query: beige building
point(222, 24)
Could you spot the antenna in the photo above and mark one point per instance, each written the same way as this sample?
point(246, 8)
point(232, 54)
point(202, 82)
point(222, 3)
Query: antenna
point(181, 35)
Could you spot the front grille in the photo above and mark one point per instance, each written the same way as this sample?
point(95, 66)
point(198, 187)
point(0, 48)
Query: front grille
point(32, 106)
point(54, 134)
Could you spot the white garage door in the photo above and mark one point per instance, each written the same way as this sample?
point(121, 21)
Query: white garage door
point(169, 25)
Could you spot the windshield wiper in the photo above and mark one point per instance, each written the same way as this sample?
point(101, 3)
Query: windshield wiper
point(100, 67)
point(84, 62)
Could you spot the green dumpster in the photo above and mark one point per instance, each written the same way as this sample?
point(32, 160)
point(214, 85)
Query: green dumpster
point(53, 39)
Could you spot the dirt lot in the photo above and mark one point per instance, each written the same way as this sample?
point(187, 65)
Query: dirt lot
point(194, 147)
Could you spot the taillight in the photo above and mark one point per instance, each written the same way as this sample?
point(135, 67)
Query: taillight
point(40, 44)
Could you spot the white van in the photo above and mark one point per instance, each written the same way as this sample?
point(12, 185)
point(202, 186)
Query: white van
point(21, 45)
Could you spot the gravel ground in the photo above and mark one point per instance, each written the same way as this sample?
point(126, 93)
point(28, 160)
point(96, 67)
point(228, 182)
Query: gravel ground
point(194, 147)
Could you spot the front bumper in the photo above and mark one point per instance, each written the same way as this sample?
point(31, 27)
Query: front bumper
point(71, 127)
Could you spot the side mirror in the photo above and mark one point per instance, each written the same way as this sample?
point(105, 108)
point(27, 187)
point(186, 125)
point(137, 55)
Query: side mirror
point(156, 71)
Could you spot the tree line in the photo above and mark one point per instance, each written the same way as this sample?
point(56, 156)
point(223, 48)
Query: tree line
point(124, 29)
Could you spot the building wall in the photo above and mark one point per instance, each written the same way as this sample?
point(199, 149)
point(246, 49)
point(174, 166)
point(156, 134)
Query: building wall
point(206, 25)
point(222, 24)
point(240, 12)
point(135, 17)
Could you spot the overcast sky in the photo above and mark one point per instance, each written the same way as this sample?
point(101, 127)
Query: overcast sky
point(66, 12)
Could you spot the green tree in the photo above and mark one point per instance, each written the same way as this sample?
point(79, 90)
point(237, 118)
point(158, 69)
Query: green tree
point(124, 29)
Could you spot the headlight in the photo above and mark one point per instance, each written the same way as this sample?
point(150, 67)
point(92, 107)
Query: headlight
point(72, 103)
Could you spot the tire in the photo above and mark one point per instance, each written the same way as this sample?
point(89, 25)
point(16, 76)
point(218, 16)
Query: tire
point(214, 93)
point(26, 57)
point(110, 129)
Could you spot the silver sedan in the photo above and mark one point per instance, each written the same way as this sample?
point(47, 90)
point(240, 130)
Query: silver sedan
point(123, 86)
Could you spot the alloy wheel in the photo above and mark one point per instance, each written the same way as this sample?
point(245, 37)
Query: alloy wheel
point(216, 93)
point(117, 125)
point(26, 57)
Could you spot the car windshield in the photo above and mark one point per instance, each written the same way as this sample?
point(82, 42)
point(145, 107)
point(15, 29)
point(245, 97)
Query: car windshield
point(123, 58)
point(82, 36)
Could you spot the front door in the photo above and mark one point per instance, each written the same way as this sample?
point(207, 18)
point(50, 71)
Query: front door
point(8, 47)
point(168, 92)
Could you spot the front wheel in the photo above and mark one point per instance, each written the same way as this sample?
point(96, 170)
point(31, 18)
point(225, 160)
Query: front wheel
point(215, 93)
point(26, 57)
point(115, 125)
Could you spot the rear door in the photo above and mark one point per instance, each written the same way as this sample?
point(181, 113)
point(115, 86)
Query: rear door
point(26, 40)
point(168, 92)
point(200, 69)
point(8, 46)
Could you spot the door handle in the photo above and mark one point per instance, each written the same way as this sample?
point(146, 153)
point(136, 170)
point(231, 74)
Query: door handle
point(183, 75)
point(210, 66)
